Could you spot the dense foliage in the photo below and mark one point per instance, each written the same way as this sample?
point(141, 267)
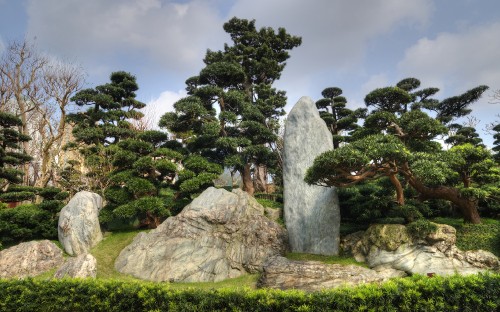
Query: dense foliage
point(398, 141)
point(418, 293)
point(230, 115)
point(339, 119)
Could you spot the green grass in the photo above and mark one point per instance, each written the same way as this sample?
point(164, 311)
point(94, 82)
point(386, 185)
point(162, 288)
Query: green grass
point(484, 236)
point(343, 260)
point(108, 250)
point(248, 281)
point(269, 203)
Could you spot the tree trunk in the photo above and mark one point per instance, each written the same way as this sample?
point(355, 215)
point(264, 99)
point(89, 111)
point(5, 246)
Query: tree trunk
point(260, 178)
point(246, 177)
point(467, 206)
point(400, 197)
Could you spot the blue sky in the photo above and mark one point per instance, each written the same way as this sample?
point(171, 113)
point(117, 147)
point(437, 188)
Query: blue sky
point(355, 45)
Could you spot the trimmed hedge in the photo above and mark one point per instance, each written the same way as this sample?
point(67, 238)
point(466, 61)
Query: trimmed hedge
point(418, 293)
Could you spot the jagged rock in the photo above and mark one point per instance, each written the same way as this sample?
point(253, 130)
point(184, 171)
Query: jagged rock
point(390, 245)
point(78, 226)
point(282, 273)
point(219, 235)
point(80, 267)
point(30, 259)
point(312, 214)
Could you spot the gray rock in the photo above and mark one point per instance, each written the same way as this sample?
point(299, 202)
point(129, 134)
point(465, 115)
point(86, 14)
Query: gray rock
point(391, 246)
point(30, 259)
point(282, 273)
point(312, 214)
point(219, 235)
point(78, 226)
point(82, 266)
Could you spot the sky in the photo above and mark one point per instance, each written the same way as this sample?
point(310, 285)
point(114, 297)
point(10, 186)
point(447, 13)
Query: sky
point(356, 45)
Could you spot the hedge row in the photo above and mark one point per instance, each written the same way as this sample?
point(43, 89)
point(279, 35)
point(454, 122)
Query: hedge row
point(418, 293)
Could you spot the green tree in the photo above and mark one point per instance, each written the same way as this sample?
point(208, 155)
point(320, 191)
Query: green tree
point(339, 119)
point(12, 157)
point(231, 112)
point(110, 107)
point(397, 140)
point(496, 142)
point(142, 166)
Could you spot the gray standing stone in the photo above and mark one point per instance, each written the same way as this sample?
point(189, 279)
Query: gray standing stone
point(30, 259)
point(312, 214)
point(219, 235)
point(82, 266)
point(78, 226)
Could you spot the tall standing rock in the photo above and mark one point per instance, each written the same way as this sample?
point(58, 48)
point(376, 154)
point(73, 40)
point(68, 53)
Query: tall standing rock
point(78, 226)
point(312, 213)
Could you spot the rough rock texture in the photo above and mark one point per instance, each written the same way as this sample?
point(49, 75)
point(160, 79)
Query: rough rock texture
point(30, 259)
point(390, 246)
point(78, 227)
point(312, 214)
point(81, 267)
point(273, 213)
point(282, 273)
point(219, 235)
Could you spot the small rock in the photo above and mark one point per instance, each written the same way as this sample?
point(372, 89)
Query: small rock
point(82, 266)
point(30, 259)
point(78, 226)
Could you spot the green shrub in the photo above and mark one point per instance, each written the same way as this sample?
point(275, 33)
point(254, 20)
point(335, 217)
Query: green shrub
point(417, 293)
point(26, 222)
point(421, 228)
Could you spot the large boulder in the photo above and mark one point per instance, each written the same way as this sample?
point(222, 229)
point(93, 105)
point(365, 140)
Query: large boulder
point(312, 214)
point(219, 235)
point(392, 246)
point(82, 266)
point(78, 226)
point(30, 259)
point(282, 273)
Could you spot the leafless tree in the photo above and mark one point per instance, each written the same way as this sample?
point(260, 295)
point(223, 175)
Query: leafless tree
point(38, 90)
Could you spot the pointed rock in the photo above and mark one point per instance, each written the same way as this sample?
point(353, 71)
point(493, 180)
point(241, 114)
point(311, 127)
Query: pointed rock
point(312, 213)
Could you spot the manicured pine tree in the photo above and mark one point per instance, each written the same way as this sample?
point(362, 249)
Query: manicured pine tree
point(231, 112)
point(339, 119)
point(397, 140)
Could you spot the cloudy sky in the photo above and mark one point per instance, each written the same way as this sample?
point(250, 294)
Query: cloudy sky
point(357, 45)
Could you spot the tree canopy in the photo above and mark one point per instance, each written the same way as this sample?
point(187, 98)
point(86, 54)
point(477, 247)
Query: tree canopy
point(397, 140)
point(230, 115)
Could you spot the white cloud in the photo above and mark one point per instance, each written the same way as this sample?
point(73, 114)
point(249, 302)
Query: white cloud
point(173, 34)
point(334, 32)
point(374, 82)
point(456, 61)
point(156, 108)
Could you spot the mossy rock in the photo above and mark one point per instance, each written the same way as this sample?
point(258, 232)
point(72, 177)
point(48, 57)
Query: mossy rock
point(387, 236)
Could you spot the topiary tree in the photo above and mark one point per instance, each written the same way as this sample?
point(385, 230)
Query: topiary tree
point(339, 119)
point(397, 141)
point(231, 112)
point(110, 107)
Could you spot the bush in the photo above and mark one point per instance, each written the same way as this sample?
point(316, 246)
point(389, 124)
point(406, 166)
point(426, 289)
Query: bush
point(421, 228)
point(418, 293)
point(26, 222)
